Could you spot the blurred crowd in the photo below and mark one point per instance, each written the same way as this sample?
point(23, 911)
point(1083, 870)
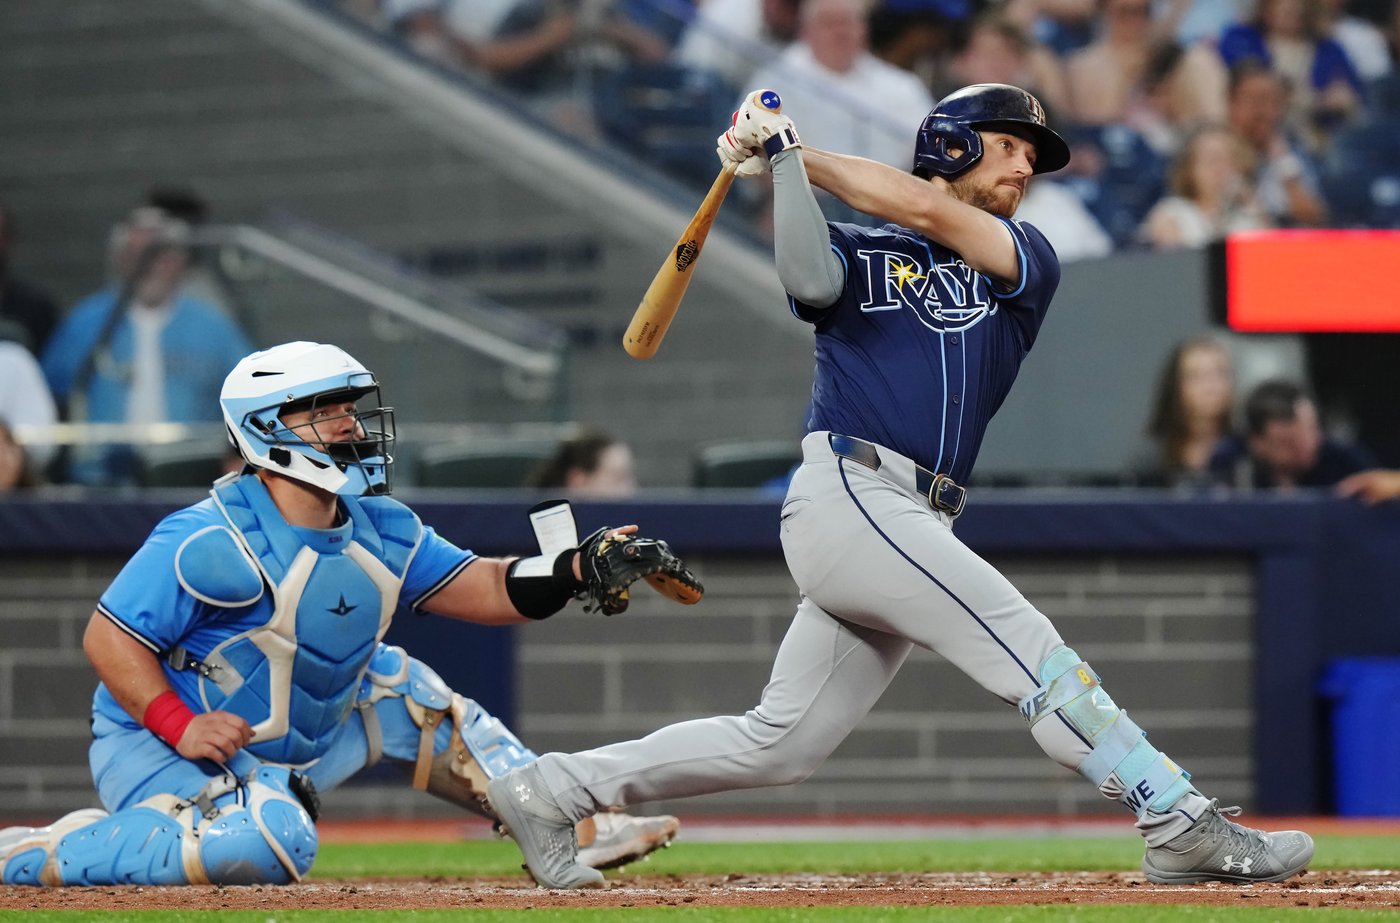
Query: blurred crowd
point(1188, 119)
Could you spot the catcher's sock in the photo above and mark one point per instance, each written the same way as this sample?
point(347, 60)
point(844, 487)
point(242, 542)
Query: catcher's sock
point(1159, 827)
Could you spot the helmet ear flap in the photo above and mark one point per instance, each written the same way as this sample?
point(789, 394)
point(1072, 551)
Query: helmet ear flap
point(939, 138)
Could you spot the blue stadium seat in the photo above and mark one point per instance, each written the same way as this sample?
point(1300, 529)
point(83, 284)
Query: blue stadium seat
point(745, 463)
point(1133, 178)
point(669, 115)
point(1361, 175)
point(481, 463)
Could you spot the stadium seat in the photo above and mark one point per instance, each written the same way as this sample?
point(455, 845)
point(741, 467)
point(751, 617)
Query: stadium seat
point(481, 463)
point(196, 464)
point(745, 464)
point(1361, 175)
point(667, 115)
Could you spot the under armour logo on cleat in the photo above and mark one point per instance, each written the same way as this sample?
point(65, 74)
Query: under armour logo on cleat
point(522, 792)
point(1230, 865)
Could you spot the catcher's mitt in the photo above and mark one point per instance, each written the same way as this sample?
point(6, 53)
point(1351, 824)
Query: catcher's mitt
point(610, 564)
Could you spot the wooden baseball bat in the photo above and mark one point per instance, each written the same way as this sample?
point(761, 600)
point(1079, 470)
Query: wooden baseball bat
point(658, 308)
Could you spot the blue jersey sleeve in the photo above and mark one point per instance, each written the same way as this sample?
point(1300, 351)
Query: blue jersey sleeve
point(146, 599)
point(434, 565)
point(1029, 299)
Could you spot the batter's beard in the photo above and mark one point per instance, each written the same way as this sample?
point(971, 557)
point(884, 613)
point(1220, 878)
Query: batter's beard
point(987, 198)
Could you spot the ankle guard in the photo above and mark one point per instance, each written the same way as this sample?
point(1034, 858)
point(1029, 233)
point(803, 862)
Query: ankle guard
point(1121, 762)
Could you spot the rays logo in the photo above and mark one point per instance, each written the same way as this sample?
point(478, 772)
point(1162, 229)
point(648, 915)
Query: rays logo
point(948, 297)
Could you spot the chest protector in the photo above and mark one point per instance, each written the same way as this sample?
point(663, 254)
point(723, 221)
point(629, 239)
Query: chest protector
point(295, 678)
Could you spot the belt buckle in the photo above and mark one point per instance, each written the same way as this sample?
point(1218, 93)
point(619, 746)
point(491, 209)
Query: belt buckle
point(935, 494)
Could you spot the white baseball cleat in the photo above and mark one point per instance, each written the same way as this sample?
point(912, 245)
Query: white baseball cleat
point(11, 837)
point(607, 841)
point(1216, 849)
point(545, 836)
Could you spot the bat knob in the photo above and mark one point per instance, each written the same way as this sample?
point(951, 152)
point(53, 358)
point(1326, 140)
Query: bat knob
point(770, 100)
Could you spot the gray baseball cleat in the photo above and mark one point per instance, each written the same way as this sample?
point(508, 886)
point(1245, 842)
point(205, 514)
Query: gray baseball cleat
point(1216, 849)
point(607, 841)
point(545, 836)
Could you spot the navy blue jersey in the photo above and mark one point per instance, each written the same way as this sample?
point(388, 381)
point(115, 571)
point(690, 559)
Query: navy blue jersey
point(919, 351)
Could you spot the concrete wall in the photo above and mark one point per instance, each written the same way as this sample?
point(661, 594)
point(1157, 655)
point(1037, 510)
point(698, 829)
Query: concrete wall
point(1170, 636)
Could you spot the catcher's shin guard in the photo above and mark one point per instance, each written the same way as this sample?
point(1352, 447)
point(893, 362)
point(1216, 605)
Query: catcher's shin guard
point(253, 831)
point(452, 744)
point(1120, 762)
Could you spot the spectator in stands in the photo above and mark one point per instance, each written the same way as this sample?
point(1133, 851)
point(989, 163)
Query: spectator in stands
point(25, 399)
point(997, 50)
point(17, 470)
point(1209, 196)
point(592, 464)
point(1110, 78)
point(1284, 446)
point(1284, 177)
point(1064, 25)
point(1364, 43)
point(1287, 36)
point(1190, 416)
point(141, 350)
point(27, 315)
point(843, 96)
point(732, 38)
point(1194, 21)
point(919, 35)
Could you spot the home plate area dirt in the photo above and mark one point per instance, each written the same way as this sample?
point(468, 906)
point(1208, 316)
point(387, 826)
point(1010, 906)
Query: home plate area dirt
point(1362, 889)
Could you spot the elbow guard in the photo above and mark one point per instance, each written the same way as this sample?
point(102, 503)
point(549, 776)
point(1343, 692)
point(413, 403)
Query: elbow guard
point(539, 587)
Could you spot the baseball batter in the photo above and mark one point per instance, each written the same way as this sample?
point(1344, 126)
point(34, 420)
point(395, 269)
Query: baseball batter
point(921, 327)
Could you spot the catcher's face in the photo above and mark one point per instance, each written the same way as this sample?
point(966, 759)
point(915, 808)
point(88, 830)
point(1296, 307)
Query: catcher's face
point(326, 425)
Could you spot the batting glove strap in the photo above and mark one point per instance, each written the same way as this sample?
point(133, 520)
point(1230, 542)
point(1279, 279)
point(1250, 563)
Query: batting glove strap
point(784, 139)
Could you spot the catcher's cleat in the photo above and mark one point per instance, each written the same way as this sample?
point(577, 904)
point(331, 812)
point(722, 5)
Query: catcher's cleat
point(607, 841)
point(11, 837)
point(1216, 849)
point(545, 836)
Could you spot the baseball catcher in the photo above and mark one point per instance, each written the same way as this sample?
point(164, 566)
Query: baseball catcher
point(242, 658)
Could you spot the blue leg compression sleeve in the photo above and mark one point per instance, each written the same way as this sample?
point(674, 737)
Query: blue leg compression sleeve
point(1122, 763)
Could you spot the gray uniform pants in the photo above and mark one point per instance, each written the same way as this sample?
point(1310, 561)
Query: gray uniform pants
point(879, 571)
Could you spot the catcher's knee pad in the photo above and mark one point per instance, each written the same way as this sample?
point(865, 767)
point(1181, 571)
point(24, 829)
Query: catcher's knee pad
point(453, 744)
point(256, 831)
point(1120, 762)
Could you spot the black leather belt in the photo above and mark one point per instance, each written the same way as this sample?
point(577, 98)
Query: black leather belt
point(941, 491)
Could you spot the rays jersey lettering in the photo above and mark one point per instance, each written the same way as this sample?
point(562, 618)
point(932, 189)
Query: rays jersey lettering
point(920, 350)
point(944, 296)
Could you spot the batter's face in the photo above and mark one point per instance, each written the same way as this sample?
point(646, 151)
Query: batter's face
point(998, 182)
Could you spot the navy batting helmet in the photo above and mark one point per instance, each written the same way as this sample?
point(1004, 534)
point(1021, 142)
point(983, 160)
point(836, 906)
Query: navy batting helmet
point(953, 125)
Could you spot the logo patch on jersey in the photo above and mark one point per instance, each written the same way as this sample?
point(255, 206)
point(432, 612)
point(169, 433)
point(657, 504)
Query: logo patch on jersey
point(948, 297)
point(686, 254)
point(343, 608)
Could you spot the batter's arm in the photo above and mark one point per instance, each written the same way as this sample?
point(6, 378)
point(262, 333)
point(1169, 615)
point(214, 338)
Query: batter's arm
point(807, 267)
point(878, 189)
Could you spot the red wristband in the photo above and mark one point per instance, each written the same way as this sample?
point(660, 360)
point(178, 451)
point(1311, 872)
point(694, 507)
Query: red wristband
point(167, 717)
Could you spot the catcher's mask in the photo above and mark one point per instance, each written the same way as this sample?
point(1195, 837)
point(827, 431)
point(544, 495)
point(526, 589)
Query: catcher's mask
point(954, 123)
point(319, 380)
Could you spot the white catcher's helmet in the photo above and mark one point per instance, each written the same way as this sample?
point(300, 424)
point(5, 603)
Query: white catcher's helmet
point(301, 376)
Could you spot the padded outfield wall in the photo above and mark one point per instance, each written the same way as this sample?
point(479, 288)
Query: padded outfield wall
point(1210, 620)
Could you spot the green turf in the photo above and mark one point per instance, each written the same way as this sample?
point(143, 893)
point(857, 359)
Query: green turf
point(496, 857)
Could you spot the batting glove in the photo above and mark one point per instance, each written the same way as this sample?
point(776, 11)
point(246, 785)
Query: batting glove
point(760, 123)
point(747, 160)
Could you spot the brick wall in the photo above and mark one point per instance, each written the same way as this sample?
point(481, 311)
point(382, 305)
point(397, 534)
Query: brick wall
point(1169, 635)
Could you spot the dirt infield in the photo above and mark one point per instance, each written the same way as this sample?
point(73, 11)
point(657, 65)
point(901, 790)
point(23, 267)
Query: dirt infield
point(1373, 890)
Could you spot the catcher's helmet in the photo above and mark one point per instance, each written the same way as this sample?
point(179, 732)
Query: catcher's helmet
point(304, 376)
point(953, 125)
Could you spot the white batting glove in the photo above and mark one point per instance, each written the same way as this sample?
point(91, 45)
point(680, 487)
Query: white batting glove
point(760, 123)
point(747, 160)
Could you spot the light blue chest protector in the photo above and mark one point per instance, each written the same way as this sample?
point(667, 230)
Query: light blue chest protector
point(295, 678)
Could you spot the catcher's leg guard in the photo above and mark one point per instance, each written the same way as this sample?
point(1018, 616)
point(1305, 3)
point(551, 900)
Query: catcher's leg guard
point(1121, 762)
point(254, 831)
